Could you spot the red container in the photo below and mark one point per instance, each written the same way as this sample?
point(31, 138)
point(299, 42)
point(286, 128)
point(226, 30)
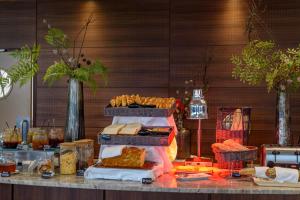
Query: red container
point(229, 127)
point(232, 123)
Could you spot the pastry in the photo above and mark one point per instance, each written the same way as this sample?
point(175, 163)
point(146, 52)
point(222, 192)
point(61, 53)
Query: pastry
point(234, 145)
point(131, 157)
point(228, 145)
point(158, 102)
point(247, 172)
point(220, 147)
point(113, 129)
point(118, 101)
point(271, 172)
point(113, 102)
point(124, 100)
point(131, 129)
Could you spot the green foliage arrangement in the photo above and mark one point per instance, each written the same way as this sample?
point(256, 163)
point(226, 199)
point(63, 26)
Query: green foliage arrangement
point(263, 62)
point(73, 66)
point(25, 68)
point(27, 65)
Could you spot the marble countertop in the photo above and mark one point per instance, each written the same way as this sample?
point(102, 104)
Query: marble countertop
point(166, 183)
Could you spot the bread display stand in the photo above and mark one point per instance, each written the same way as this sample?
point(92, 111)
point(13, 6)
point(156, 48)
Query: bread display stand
point(161, 155)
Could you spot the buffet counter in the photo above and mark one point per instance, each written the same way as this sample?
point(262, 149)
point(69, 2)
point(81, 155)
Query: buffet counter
point(165, 183)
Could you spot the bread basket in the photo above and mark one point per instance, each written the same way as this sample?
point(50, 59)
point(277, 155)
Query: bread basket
point(229, 156)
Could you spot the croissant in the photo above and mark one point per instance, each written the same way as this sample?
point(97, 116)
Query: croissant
point(113, 102)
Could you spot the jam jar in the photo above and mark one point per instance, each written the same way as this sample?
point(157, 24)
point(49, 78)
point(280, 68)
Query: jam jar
point(7, 163)
point(39, 139)
point(12, 137)
point(56, 136)
point(85, 151)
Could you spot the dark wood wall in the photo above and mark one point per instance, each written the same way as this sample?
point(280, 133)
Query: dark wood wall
point(151, 47)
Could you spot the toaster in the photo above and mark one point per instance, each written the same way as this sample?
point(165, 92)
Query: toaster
point(275, 155)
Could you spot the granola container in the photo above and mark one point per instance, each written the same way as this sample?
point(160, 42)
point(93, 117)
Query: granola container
point(85, 153)
point(68, 158)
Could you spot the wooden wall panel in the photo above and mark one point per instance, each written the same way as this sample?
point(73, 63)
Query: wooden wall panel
point(207, 22)
point(151, 47)
point(121, 195)
point(117, 23)
point(17, 23)
point(128, 66)
point(54, 193)
point(6, 191)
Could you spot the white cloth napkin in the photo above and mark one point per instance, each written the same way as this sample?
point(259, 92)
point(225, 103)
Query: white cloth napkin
point(286, 175)
point(112, 151)
point(123, 174)
point(260, 172)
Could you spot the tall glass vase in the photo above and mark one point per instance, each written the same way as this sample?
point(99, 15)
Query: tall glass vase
point(283, 133)
point(74, 129)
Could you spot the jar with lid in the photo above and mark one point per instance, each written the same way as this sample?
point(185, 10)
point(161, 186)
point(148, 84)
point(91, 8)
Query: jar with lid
point(56, 136)
point(55, 159)
point(31, 132)
point(68, 158)
point(12, 137)
point(7, 163)
point(85, 150)
point(39, 139)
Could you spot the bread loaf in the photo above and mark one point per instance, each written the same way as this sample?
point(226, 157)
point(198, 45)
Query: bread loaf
point(131, 157)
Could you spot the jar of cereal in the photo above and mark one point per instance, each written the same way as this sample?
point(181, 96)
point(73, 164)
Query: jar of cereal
point(68, 158)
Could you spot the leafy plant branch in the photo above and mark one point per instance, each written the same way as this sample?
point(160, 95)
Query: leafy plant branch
point(263, 62)
point(73, 67)
point(76, 66)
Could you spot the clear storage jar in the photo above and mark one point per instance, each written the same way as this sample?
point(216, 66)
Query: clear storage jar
point(12, 137)
point(39, 139)
point(56, 136)
point(85, 150)
point(68, 158)
point(7, 163)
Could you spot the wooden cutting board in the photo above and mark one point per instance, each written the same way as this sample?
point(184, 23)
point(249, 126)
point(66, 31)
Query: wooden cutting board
point(147, 166)
point(271, 183)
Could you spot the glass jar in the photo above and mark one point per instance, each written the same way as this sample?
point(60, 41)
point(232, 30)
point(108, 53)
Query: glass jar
point(7, 163)
point(31, 132)
point(39, 139)
point(55, 160)
point(85, 150)
point(183, 139)
point(68, 158)
point(12, 137)
point(56, 136)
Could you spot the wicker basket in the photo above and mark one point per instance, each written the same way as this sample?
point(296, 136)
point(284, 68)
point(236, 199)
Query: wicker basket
point(224, 119)
point(229, 156)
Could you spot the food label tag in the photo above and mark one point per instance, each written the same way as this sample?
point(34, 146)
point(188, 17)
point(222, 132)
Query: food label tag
point(5, 174)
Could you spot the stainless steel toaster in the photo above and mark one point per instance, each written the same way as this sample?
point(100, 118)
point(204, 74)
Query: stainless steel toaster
point(275, 155)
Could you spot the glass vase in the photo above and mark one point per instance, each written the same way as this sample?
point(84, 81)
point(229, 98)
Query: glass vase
point(74, 129)
point(283, 133)
point(183, 139)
